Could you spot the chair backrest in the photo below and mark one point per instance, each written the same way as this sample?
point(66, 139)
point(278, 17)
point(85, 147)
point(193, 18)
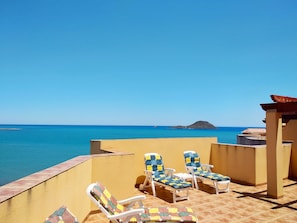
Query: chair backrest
point(61, 215)
point(107, 203)
point(154, 162)
point(192, 159)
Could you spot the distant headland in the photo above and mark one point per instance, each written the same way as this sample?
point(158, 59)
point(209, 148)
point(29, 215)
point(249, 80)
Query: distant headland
point(196, 125)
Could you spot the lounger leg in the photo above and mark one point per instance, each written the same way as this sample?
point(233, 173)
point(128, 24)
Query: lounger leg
point(153, 188)
point(174, 196)
point(225, 189)
point(144, 185)
point(216, 186)
point(194, 180)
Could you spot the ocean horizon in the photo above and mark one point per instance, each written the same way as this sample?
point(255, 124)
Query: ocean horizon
point(26, 149)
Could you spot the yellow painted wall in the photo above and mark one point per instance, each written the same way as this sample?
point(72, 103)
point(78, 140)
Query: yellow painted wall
point(238, 162)
point(290, 133)
point(116, 171)
point(35, 204)
point(245, 164)
point(261, 165)
point(171, 150)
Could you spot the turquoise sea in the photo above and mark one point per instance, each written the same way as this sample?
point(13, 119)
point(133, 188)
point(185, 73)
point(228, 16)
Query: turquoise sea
point(25, 149)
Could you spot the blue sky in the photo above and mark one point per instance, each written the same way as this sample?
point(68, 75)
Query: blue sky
point(145, 62)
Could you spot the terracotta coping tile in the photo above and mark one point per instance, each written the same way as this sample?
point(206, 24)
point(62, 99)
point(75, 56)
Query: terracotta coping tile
point(16, 187)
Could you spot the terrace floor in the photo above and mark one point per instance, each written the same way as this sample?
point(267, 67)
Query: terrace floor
point(246, 204)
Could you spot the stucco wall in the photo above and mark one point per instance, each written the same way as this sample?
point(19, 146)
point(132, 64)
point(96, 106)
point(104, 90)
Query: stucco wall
point(171, 150)
point(116, 171)
point(35, 204)
point(290, 134)
point(245, 164)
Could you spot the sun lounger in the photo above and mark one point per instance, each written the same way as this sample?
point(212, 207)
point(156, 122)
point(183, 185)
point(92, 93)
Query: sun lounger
point(132, 209)
point(157, 174)
point(203, 172)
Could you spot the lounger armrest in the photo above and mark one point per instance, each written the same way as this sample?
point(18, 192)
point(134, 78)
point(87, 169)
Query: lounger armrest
point(207, 167)
point(169, 171)
point(132, 201)
point(125, 216)
point(190, 169)
point(149, 173)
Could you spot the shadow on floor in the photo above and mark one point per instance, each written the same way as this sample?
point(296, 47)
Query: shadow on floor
point(262, 195)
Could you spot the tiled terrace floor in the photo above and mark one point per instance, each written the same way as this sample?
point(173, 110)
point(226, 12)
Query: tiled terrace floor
point(246, 204)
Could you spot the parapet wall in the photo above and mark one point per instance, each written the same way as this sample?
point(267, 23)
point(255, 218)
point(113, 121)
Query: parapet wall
point(290, 134)
point(35, 197)
point(171, 150)
point(246, 164)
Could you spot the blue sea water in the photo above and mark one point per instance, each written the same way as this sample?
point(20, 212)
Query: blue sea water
point(25, 149)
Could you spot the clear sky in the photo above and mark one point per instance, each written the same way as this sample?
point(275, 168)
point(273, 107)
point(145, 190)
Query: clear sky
point(145, 62)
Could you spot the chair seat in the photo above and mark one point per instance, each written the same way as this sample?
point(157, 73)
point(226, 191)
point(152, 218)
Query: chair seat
point(174, 182)
point(169, 214)
point(212, 175)
point(203, 171)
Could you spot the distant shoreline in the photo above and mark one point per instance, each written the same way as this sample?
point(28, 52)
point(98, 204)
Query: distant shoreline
point(10, 129)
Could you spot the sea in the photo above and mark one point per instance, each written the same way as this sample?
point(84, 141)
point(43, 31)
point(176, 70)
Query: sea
point(26, 149)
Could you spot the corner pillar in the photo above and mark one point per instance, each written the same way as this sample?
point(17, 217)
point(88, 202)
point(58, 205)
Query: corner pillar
point(274, 154)
point(95, 147)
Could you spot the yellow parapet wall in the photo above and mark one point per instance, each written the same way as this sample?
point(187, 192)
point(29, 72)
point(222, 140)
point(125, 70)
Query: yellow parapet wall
point(38, 202)
point(289, 133)
point(246, 164)
point(171, 150)
point(116, 171)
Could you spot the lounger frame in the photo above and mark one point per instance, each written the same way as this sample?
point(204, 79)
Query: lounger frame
point(183, 193)
point(219, 185)
point(180, 193)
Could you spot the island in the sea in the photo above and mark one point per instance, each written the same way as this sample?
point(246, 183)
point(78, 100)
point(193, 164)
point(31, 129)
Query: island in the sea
point(196, 125)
